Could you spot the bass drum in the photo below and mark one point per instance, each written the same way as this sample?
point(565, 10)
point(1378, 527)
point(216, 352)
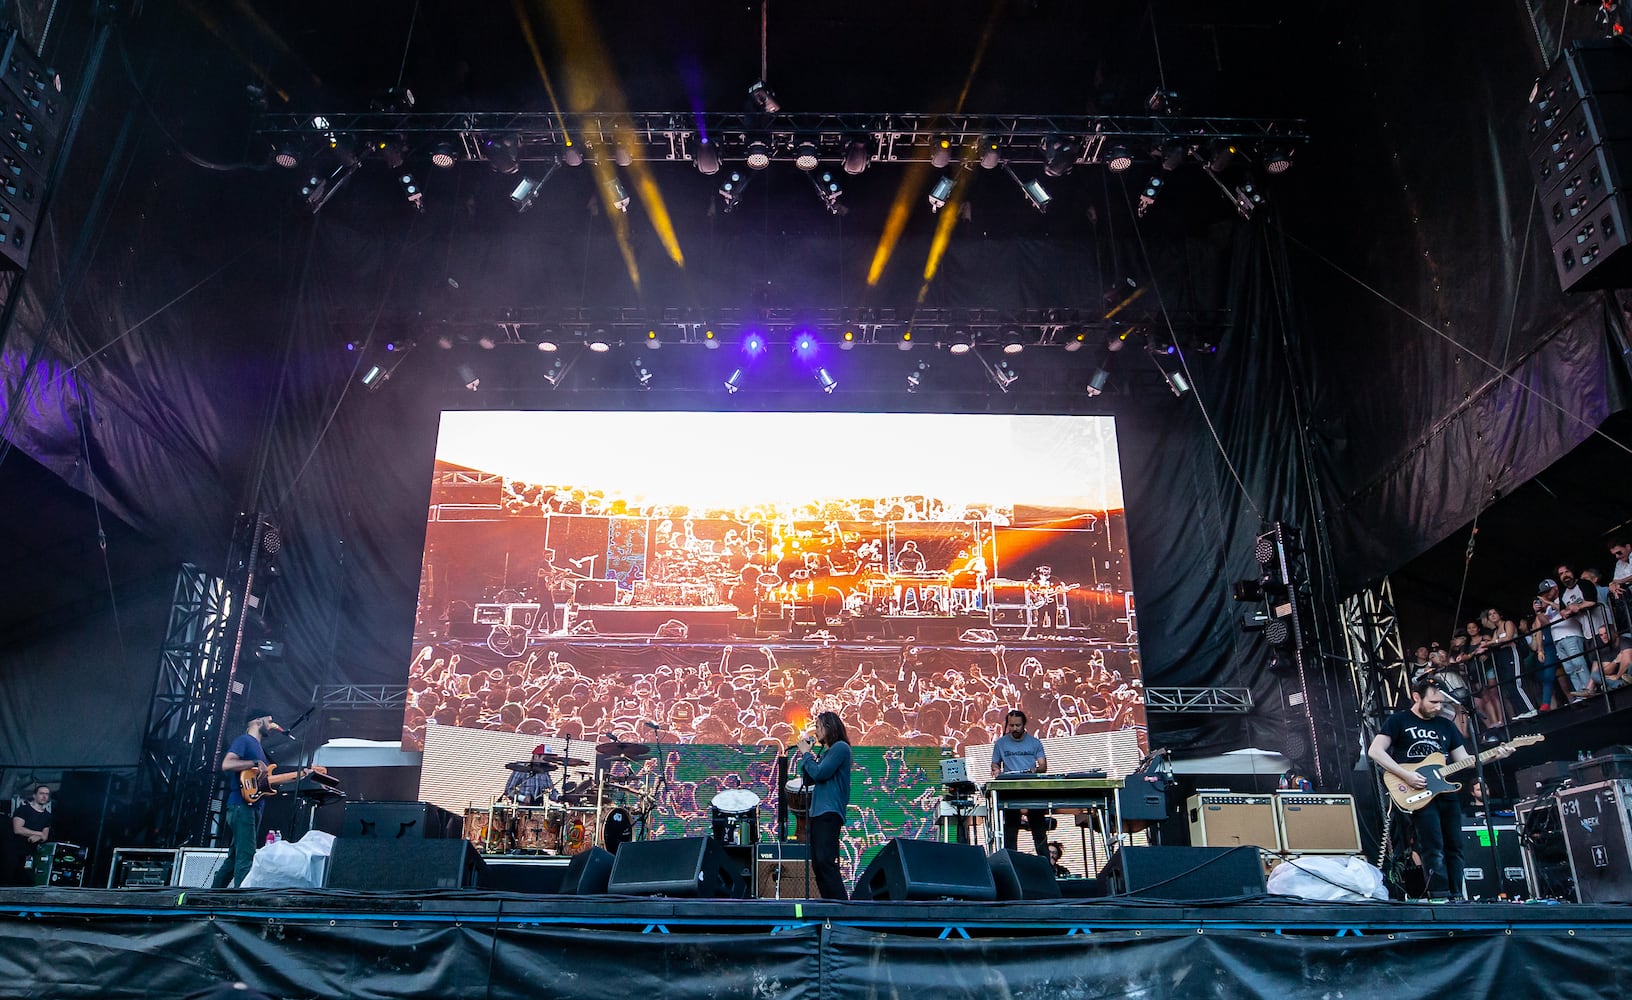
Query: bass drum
point(538, 829)
point(489, 830)
point(617, 828)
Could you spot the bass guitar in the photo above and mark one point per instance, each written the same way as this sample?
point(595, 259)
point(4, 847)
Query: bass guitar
point(256, 783)
point(1434, 768)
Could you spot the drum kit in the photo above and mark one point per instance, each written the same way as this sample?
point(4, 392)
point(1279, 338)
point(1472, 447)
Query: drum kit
point(539, 814)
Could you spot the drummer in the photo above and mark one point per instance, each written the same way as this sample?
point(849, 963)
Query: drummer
point(531, 788)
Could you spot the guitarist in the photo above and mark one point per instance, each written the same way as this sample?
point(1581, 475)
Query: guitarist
point(243, 818)
point(1409, 737)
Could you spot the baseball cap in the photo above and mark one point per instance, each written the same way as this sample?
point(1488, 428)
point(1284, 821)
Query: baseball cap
point(260, 712)
point(1546, 585)
point(541, 748)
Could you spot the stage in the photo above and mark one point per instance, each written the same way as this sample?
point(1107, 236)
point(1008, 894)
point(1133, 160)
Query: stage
point(162, 943)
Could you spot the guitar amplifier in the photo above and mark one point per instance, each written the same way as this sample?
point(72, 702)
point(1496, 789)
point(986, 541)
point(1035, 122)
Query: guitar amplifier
point(1228, 819)
point(782, 871)
point(196, 866)
point(142, 867)
point(1317, 824)
point(1598, 835)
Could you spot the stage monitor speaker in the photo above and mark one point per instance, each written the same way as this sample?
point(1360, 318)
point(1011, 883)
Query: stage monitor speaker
point(782, 871)
point(595, 592)
point(689, 866)
point(1186, 873)
point(927, 869)
point(1023, 876)
point(588, 873)
point(1481, 881)
point(538, 876)
point(1317, 824)
point(1228, 819)
point(196, 866)
point(399, 821)
point(377, 865)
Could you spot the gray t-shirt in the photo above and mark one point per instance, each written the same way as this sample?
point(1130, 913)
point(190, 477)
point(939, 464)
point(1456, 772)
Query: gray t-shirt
point(1016, 756)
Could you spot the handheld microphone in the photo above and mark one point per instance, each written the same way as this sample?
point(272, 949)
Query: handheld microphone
point(610, 737)
point(651, 725)
point(276, 728)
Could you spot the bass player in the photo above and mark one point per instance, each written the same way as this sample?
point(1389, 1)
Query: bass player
point(1409, 737)
point(244, 817)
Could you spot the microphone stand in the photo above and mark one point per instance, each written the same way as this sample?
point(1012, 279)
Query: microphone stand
point(1476, 731)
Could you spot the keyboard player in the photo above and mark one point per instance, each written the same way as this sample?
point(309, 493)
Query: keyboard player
point(1018, 752)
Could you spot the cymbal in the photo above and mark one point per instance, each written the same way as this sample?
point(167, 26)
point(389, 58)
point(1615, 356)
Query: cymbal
point(615, 749)
point(545, 762)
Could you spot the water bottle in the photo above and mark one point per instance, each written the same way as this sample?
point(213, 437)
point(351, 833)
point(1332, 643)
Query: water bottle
point(272, 837)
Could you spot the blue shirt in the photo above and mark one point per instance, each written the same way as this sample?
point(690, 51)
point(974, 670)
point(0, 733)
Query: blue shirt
point(829, 778)
point(1016, 756)
point(246, 747)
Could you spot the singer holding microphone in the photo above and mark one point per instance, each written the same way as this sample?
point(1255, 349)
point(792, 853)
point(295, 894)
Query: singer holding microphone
point(244, 819)
point(829, 778)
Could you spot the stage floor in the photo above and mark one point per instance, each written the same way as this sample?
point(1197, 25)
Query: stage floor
point(166, 943)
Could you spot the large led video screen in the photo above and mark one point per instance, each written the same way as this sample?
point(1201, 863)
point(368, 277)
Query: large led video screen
point(713, 578)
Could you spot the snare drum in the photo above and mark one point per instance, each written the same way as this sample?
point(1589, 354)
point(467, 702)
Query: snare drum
point(733, 817)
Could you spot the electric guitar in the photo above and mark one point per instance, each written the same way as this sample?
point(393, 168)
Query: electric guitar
point(256, 783)
point(1036, 597)
point(1434, 768)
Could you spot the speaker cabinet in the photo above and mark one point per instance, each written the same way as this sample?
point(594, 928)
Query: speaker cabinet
point(399, 821)
point(1597, 822)
point(1317, 824)
point(196, 866)
point(927, 869)
point(377, 865)
point(1186, 874)
point(1023, 876)
point(1226, 819)
point(538, 876)
point(782, 871)
point(142, 867)
point(588, 873)
point(689, 866)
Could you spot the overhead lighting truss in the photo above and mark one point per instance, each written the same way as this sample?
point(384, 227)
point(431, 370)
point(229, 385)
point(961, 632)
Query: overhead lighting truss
point(666, 136)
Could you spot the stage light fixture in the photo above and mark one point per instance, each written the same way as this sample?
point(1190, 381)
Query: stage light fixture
point(826, 380)
point(1060, 154)
point(1173, 153)
point(707, 158)
point(411, 191)
point(524, 193)
point(621, 155)
point(857, 155)
point(1012, 340)
point(1118, 158)
point(571, 155)
point(374, 377)
point(764, 98)
point(847, 341)
point(759, 155)
point(990, 153)
point(444, 155)
point(503, 152)
point(286, 154)
point(941, 153)
point(1220, 154)
point(1032, 189)
point(643, 374)
point(1096, 383)
point(805, 345)
point(731, 190)
point(1147, 197)
point(617, 195)
point(710, 341)
point(805, 155)
point(733, 382)
point(653, 341)
point(554, 374)
point(1165, 102)
point(468, 377)
point(1277, 158)
point(1247, 198)
point(828, 190)
point(905, 342)
point(915, 377)
point(393, 150)
point(753, 344)
point(344, 147)
point(961, 347)
point(1177, 382)
point(941, 193)
point(598, 342)
point(1003, 375)
point(547, 344)
point(1075, 343)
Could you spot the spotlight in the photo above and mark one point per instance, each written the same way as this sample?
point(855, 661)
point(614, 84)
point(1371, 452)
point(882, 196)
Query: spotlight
point(1177, 382)
point(1165, 102)
point(989, 153)
point(556, 371)
point(621, 155)
point(1174, 152)
point(1096, 384)
point(468, 377)
point(1012, 342)
point(753, 345)
point(941, 193)
point(374, 377)
point(1247, 199)
point(915, 378)
point(941, 154)
point(759, 155)
point(444, 155)
point(643, 374)
point(905, 343)
point(733, 382)
point(856, 156)
point(1277, 158)
point(828, 190)
point(547, 344)
point(411, 191)
point(732, 188)
point(707, 158)
point(1147, 198)
point(653, 341)
point(1075, 343)
point(826, 381)
point(598, 342)
point(312, 190)
point(571, 155)
point(805, 155)
point(286, 154)
point(503, 152)
point(393, 150)
point(617, 195)
point(524, 193)
point(1220, 154)
point(847, 342)
point(1003, 375)
point(710, 341)
point(1118, 158)
point(1060, 154)
point(961, 347)
point(764, 98)
point(1032, 189)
